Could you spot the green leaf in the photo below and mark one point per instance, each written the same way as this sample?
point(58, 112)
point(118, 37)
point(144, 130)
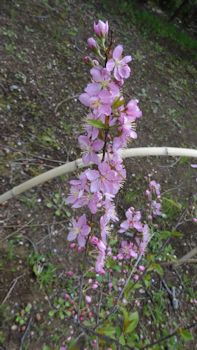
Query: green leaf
point(96, 123)
point(186, 335)
point(49, 205)
point(107, 330)
point(118, 103)
point(122, 340)
point(51, 313)
point(133, 322)
point(156, 267)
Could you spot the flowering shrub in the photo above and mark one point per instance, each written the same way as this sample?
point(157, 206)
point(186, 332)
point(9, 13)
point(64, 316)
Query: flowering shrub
point(110, 124)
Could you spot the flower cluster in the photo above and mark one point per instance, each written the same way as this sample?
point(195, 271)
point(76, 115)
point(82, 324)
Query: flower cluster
point(110, 125)
point(138, 234)
point(154, 199)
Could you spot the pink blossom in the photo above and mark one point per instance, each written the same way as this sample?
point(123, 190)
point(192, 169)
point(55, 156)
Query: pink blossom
point(92, 132)
point(127, 251)
point(92, 200)
point(100, 103)
point(101, 28)
point(104, 229)
point(132, 110)
point(100, 261)
point(91, 147)
point(103, 180)
point(79, 230)
point(133, 221)
point(77, 191)
point(156, 208)
point(155, 187)
point(127, 128)
point(119, 64)
point(102, 81)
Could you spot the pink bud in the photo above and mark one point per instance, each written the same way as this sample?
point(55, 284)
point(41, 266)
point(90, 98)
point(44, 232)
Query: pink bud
point(88, 299)
point(110, 284)
point(70, 273)
point(194, 220)
point(136, 277)
point(92, 44)
point(87, 60)
point(141, 268)
point(101, 28)
point(95, 285)
point(66, 296)
point(72, 245)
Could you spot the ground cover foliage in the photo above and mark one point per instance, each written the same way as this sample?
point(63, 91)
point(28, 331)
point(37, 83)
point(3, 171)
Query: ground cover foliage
point(42, 74)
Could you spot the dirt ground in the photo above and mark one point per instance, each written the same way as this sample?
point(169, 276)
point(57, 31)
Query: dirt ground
point(41, 75)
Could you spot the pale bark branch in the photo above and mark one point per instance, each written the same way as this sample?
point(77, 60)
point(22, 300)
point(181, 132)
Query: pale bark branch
point(73, 166)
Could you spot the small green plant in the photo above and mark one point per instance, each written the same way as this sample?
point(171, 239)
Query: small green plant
point(10, 48)
point(62, 309)
point(42, 269)
point(57, 203)
point(23, 316)
point(171, 208)
point(48, 138)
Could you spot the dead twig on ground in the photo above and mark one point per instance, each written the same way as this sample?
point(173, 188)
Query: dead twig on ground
point(11, 288)
point(25, 333)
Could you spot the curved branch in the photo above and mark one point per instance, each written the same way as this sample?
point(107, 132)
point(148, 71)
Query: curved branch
point(73, 166)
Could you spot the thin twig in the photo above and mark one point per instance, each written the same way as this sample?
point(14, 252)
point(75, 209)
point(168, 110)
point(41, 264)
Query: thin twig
point(25, 333)
point(178, 262)
point(17, 231)
point(31, 154)
point(82, 277)
point(11, 288)
point(65, 100)
point(170, 335)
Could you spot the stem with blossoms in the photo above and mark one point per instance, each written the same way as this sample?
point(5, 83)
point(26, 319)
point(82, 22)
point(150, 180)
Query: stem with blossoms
point(110, 124)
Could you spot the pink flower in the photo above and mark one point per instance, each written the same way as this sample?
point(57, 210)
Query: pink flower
point(156, 208)
point(79, 230)
point(133, 221)
point(90, 147)
point(127, 251)
point(101, 28)
point(102, 81)
point(126, 127)
point(119, 64)
point(100, 261)
point(155, 187)
point(103, 180)
point(132, 110)
point(76, 191)
point(92, 44)
point(100, 103)
point(92, 200)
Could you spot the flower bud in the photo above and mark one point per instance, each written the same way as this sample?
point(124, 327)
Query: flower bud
point(101, 29)
point(88, 299)
point(92, 44)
